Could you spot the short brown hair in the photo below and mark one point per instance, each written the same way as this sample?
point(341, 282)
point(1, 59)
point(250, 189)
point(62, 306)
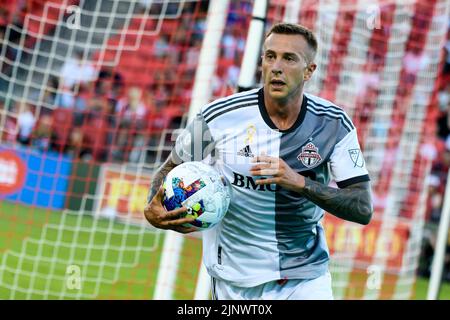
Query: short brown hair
point(291, 28)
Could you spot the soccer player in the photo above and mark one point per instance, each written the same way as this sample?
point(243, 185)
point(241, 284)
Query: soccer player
point(277, 147)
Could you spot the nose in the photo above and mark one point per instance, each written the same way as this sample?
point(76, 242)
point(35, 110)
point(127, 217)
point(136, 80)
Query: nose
point(276, 67)
point(276, 70)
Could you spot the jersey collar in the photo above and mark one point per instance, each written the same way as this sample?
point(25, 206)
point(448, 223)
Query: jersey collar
point(269, 122)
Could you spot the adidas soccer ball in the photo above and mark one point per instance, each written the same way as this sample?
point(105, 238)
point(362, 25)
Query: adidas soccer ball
point(198, 187)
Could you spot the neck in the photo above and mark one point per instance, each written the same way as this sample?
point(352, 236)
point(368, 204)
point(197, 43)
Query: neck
point(283, 113)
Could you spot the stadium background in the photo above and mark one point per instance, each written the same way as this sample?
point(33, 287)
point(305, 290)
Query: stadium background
point(90, 95)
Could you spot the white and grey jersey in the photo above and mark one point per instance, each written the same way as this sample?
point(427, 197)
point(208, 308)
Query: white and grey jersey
point(270, 233)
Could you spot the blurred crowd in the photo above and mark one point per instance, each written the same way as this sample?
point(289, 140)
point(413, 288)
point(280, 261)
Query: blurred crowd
point(101, 114)
point(437, 179)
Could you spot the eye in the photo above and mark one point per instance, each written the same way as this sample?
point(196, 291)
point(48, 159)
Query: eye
point(289, 58)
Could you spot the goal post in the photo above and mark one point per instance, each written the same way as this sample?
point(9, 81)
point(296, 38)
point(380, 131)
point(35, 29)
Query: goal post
point(201, 95)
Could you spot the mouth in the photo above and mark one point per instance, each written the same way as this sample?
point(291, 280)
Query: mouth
point(276, 83)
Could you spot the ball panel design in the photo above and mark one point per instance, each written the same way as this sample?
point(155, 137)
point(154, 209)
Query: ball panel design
point(199, 188)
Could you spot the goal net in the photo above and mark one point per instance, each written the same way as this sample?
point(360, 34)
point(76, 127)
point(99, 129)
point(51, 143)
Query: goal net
point(91, 95)
point(381, 63)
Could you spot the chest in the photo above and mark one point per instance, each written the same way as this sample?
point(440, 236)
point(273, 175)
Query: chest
point(303, 150)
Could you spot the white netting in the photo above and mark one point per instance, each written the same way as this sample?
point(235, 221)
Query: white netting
point(381, 63)
point(102, 245)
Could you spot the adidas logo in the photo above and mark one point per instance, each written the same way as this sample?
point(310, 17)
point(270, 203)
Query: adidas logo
point(245, 152)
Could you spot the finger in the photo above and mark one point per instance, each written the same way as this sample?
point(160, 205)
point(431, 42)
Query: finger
point(264, 169)
point(266, 181)
point(183, 229)
point(261, 166)
point(260, 157)
point(265, 159)
point(180, 221)
point(175, 213)
point(265, 172)
point(263, 154)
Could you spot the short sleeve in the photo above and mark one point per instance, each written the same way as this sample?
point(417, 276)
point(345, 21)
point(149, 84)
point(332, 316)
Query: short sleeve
point(195, 142)
point(347, 162)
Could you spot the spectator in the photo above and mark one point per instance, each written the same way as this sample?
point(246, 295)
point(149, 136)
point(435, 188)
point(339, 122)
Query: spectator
point(444, 118)
point(368, 80)
point(447, 55)
point(444, 98)
point(112, 78)
point(25, 123)
point(233, 72)
point(232, 43)
point(414, 61)
point(44, 99)
point(8, 134)
point(160, 94)
point(132, 106)
point(42, 135)
point(77, 70)
point(109, 85)
point(145, 3)
point(3, 17)
point(435, 198)
point(161, 46)
point(65, 98)
point(193, 54)
point(199, 30)
point(131, 114)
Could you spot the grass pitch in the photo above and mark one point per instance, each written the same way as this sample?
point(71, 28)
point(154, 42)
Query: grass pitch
point(58, 256)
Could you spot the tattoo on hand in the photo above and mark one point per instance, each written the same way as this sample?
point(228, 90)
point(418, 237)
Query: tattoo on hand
point(352, 203)
point(159, 176)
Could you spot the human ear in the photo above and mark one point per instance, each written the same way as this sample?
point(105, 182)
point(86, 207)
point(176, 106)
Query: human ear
point(309, 71)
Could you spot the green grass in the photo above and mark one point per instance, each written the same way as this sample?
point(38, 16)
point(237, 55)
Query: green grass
point(52, 248)
point(44, 245)
point(422, 289)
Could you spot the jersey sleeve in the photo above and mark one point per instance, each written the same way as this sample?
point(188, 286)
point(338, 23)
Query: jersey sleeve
point(347, 162)
point(195, 142)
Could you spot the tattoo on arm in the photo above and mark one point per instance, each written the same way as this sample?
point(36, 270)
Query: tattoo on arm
point(159, 175)
point(353, 203)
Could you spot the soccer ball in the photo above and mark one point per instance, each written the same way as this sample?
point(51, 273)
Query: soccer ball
point(198, 187)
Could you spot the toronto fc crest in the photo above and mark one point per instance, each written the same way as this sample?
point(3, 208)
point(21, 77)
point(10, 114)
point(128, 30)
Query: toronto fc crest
point(310, 155)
